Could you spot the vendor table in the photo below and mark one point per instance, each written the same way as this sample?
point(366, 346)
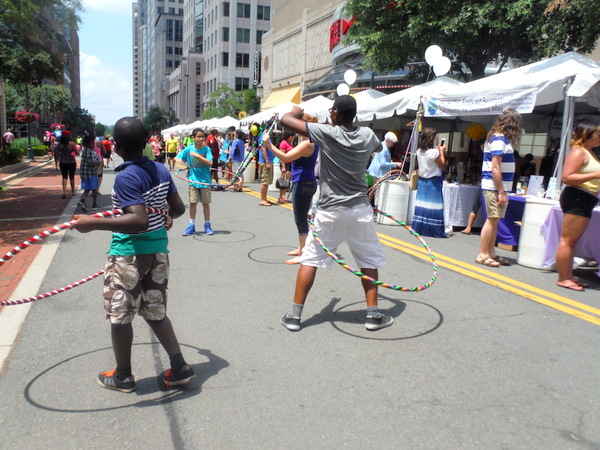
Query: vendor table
point(458, 202)
point(588, 245)
point(509, 228)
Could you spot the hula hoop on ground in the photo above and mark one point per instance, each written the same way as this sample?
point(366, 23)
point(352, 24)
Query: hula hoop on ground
point(358, 273)
point(43, 235)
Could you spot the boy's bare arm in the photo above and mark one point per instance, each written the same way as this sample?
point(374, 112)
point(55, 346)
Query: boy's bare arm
point(176, 206)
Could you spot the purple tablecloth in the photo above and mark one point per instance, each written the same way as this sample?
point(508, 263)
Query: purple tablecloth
point(508, 230)
point(588, 245)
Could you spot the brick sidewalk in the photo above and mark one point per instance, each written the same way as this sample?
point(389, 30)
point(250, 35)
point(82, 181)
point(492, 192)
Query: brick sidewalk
point(29, 205)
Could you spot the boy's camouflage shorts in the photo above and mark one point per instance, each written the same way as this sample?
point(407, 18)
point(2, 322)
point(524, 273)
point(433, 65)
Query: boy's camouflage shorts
point(136, 284)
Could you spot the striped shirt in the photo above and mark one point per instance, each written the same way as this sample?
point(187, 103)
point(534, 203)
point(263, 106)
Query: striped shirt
point(498, 145)
point(142, 182)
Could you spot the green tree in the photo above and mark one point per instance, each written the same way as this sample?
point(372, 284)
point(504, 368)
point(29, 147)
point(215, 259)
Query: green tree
point(472, 32)
point(49, 100)
point(30, 49)
point(78, 120)
point(158, 119)
point(223, 101)
point(99, 129)
point(251, 101)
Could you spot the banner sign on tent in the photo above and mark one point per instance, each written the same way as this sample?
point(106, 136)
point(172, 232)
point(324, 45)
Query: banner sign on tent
point(481, 105)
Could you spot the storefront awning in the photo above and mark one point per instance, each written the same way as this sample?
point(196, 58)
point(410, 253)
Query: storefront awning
point(282, 96)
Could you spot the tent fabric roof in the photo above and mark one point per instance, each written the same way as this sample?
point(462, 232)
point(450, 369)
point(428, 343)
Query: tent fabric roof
point(548, 77)
point(399, 102)
point(276, 98)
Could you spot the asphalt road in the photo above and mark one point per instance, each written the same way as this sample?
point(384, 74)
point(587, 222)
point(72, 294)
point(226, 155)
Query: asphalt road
point(485, 358)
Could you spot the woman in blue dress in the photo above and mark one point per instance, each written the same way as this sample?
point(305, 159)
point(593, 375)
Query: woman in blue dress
point(428, 218)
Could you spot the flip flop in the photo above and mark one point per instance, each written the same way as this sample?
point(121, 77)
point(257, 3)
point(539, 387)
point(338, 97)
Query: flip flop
point(490, 262)
point(573, 287)
point(579, 282)
point(264, 204)
point(502, 261)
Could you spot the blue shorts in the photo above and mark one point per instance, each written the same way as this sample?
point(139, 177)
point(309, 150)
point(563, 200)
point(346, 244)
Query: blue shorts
point(89, 183)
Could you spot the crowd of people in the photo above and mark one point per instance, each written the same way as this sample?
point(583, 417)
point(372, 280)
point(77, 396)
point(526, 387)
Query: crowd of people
point(328, 167)
point(325, 162)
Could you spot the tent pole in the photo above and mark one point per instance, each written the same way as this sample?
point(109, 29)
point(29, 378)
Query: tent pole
point(567, 129)
point(414, 144)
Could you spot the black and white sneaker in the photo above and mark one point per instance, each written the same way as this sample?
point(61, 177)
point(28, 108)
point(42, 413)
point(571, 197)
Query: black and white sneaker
point(291, 323)
point(184, 376)
point(109, 380)
point(377, 322)
point(82, 206)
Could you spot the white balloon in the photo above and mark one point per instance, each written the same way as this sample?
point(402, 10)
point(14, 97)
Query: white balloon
point(343, 89)
point(442, 66)
point(350, 76)
point(432, 54)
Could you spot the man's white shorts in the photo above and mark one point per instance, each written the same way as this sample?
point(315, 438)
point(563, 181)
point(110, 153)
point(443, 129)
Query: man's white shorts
point(353, 226)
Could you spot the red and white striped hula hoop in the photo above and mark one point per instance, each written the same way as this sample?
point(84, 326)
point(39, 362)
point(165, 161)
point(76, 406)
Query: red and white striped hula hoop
point(43, 235)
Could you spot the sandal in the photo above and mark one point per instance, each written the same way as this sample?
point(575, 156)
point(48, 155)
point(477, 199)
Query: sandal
point(573, 287)
point(579, 282)
point(490, 262)
point(502, 261)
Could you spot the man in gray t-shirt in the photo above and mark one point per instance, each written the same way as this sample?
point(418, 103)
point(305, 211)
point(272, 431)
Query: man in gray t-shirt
point(343, 211)
point(345, 155)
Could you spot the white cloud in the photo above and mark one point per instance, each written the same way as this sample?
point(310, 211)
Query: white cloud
point(106, 91)
point(114, 7)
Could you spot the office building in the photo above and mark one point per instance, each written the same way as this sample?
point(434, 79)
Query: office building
point(183, 50)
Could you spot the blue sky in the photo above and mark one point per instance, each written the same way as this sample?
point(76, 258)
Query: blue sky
point(106, 58)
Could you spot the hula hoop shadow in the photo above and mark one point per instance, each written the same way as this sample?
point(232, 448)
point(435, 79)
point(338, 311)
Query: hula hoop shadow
point(284, 257)
point(214, 239)
point(334, 316)
point(145, 386)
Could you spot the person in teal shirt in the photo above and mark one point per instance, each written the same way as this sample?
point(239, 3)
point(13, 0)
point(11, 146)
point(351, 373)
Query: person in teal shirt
point(198, 159)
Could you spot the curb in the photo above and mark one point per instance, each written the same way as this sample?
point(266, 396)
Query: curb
point(21, 173)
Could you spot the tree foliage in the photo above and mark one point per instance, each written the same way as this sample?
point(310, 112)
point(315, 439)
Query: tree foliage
point(472, 32)
point(78, 120)
point(31, 42)
point(251, 101)
point(99, 129)
point(223, 101)
point(158, 119)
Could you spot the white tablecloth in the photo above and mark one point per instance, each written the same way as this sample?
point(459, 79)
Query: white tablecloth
point(458, 202)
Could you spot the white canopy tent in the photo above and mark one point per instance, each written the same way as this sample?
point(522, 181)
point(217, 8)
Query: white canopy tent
point(265, 115)
point(399, 102)
point(570, 78)
point(318, 107)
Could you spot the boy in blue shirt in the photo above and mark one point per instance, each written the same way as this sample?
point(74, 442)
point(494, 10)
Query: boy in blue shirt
point(198, 158)
point(137, 269)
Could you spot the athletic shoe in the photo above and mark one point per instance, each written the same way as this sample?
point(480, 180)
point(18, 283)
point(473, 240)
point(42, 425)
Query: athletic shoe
point(190, 230)
point(291, 323)
point(376, 323)
point(184, 376)
point(81, 204)
point(207, 229)
point(95, 207)
point(109, 380)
